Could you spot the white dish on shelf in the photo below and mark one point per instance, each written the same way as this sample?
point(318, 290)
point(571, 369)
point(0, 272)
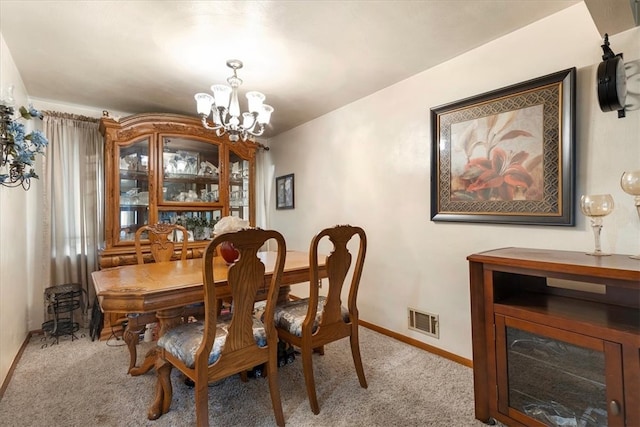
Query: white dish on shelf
point(143, 197)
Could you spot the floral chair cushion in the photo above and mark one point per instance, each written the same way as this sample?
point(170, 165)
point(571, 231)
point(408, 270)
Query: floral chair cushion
point(183, 341)
point(290, 316)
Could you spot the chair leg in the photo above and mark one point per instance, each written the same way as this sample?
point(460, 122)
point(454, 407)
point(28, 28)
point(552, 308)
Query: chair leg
point(357, 360)
point(274, 389)
point(307, 367)
point(131, 338)
point(164, 377)
point(202, 402)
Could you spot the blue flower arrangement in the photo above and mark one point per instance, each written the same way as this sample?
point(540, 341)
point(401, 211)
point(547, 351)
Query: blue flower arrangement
point(19, 149)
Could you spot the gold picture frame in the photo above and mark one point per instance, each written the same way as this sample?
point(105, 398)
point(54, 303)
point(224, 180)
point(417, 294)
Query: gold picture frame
point(506, 156)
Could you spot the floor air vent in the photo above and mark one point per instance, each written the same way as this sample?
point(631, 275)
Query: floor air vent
point(426, 323)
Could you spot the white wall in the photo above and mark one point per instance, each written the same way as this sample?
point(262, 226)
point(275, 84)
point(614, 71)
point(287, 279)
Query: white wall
point(368, 164)
point(21, 284)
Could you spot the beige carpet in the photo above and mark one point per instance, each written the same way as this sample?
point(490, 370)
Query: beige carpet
point(84, 383)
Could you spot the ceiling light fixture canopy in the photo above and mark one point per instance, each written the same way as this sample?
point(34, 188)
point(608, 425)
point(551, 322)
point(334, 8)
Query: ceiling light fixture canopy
point(225, 109)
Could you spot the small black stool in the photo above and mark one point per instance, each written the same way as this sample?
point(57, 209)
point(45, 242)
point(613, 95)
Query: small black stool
point(60, 302)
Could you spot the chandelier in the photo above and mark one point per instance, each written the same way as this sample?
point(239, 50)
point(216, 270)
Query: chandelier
point(225, 109)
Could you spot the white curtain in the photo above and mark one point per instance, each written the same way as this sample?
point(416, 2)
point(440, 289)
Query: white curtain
point(73, 199)
point(260, 185)
point(264, 180)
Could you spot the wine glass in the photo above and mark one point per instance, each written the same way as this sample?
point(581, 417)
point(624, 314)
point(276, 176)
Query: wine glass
point(630, 183)
point(595, 207)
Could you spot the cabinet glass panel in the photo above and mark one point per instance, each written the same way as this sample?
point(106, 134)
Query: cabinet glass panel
point(239, 170)
point(198, 223)
point(190, 171)
point(133, 188)
point(557, 383)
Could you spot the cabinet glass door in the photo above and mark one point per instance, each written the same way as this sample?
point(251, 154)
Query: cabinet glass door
point(556, 378)
point(239, 171)
point(190, 171)
point(133, 188)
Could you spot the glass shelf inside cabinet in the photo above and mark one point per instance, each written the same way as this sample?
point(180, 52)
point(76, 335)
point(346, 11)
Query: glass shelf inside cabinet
point(133, 188)
point(238, 186)
point(190, 171)
point(199, 224)
point(555, 382)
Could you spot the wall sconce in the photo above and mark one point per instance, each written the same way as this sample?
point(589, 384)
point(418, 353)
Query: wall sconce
point(17, 148)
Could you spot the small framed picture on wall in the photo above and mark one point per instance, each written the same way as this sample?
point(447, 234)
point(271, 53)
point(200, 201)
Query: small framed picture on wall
point(284, 192)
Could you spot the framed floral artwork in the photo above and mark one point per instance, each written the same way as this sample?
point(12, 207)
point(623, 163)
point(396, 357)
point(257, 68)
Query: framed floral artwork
point(284, 192)
point(507, 156)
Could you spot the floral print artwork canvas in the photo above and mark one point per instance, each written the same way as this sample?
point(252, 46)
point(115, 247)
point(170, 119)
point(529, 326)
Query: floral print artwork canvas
point(498, 157)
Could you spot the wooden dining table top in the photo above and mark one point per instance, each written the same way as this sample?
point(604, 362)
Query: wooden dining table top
point(159, 286)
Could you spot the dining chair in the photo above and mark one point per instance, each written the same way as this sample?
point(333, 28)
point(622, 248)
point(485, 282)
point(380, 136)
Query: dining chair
point(230, 343)
point(310, 323)
point(162, 249)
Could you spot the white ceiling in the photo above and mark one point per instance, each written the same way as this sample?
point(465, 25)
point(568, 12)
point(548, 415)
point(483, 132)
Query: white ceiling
point(307, 57)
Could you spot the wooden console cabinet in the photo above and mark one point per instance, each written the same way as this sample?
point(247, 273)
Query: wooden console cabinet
point(556, 338)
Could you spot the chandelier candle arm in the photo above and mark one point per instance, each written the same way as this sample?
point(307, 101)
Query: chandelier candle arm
point(224, 108)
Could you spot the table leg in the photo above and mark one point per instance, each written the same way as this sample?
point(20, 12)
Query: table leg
point(167, 319)
point(162, 400)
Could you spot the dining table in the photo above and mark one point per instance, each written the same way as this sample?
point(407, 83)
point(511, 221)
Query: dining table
point(166, 288)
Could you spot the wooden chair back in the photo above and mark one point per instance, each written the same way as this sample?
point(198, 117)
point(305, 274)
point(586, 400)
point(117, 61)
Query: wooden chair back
point(338, 263)
point(162, 248)
point(240, 353)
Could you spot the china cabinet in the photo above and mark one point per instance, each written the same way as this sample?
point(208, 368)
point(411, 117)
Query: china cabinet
point(168, 168)
point(556, 338)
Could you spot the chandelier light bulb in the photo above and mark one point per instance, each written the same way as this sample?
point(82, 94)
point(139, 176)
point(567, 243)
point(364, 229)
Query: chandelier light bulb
point(247, 120)
point(265, 114)
point(221, 94)
point(255, 100)
point(204, 102)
